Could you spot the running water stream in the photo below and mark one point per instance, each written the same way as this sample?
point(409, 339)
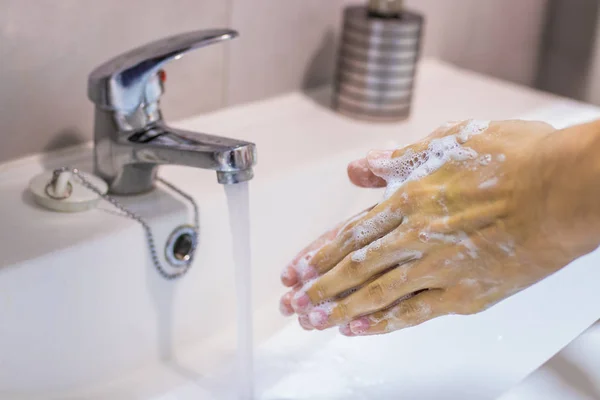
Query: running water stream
point(239, 222)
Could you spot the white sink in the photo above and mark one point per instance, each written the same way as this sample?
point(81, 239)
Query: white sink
point(573, 373)
point(85, 316)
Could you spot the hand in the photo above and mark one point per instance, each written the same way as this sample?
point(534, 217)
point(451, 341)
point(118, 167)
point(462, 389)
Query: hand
point(463, 225)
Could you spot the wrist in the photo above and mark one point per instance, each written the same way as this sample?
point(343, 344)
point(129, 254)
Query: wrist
point(569, 168)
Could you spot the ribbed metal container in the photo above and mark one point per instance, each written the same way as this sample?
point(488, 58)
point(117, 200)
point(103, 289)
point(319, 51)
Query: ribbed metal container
point(377, 64)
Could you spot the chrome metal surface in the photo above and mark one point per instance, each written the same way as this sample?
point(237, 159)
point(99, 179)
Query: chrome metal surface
point(386, 7)
point(232, 177)
point(180, 246)
point(377, 62)
point(122, 82)
point(130, 137)
point(195, 228)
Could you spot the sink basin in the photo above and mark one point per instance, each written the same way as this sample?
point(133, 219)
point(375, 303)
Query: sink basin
point(573, 373)
point(85, 315)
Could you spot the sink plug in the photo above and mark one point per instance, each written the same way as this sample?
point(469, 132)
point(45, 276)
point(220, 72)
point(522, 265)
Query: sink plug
point(58, 191)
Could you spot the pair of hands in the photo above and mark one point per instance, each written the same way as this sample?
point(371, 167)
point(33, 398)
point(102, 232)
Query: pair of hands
point(462, 226)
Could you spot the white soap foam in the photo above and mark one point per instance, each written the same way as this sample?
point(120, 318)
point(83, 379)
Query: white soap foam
point(316, 318)
point(444, 237)
point(472, 128)
point(460, 238)
point(501, 157)
point(372, 226)
point(302, 264)
point(508, 247)
point(361, 254)
point(465, 241)
point(376, 245)
point(413, 166)
point(404, 255)
point(489, 183)
point(485, 159)
point(442, 203)
point(450, 124)
point(326, 306)
point(351, 221)
point(307, 285)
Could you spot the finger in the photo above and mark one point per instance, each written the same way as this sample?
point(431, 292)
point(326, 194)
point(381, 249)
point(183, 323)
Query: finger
point(345, 330)
point(305, 323)
point(472, 219)
point(377, 295)
point(380, 162)
point(405, 164)
point(289, 277)
point(367, 172)
point(285, 304)
point(410, 312)
point(300, 270)
point(297, 270)
point(378, 222)
point(420, 159)
point(360, 175)
point(357, 268)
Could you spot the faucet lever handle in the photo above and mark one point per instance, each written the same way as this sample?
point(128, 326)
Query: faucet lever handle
point(120, 83)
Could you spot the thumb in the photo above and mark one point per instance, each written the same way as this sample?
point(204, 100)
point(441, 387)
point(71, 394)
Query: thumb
point(361, 173)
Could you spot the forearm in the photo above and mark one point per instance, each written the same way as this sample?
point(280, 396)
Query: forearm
point(571, 174)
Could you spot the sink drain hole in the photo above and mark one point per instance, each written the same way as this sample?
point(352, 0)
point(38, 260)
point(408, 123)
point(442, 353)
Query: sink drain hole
point(181, 245)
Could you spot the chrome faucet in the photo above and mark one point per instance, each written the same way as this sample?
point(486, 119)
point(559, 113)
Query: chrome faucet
point(130, 137)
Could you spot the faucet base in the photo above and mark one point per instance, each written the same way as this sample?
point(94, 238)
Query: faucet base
point(133, 179)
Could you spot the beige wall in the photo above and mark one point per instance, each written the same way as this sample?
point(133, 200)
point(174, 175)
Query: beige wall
point(47, 48)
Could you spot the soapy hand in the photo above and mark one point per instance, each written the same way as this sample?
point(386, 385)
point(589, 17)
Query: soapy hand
point(461, 227)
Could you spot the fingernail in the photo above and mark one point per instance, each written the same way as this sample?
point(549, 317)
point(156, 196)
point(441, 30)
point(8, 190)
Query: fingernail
point(288, 276)
point(305, 322)
point(318, 318)
point(300, 301)
point(345, 330)
point(359, 326)
point(284, 308)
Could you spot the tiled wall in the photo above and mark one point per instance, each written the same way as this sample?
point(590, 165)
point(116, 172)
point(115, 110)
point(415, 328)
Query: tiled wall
point(47, 48)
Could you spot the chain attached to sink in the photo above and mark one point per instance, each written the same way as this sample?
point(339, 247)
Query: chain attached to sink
point(181, 270)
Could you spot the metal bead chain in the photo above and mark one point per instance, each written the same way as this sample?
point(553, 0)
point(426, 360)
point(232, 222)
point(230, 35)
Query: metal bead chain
point(148, 231)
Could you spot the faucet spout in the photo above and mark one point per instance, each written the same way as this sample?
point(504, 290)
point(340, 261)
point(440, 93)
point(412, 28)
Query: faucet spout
point(128, 162)
point(131, 140)
point(232, 159)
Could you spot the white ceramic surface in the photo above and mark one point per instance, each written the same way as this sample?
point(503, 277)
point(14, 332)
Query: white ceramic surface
point(572, 374)
point(84, 315)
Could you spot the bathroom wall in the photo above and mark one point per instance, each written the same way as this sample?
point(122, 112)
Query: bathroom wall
point(48, 47)
point(570, 57)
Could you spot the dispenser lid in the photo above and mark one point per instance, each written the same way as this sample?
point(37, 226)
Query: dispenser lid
point(386, 8)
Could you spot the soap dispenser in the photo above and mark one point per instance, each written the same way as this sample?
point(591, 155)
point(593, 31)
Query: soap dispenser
point(377, 61)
